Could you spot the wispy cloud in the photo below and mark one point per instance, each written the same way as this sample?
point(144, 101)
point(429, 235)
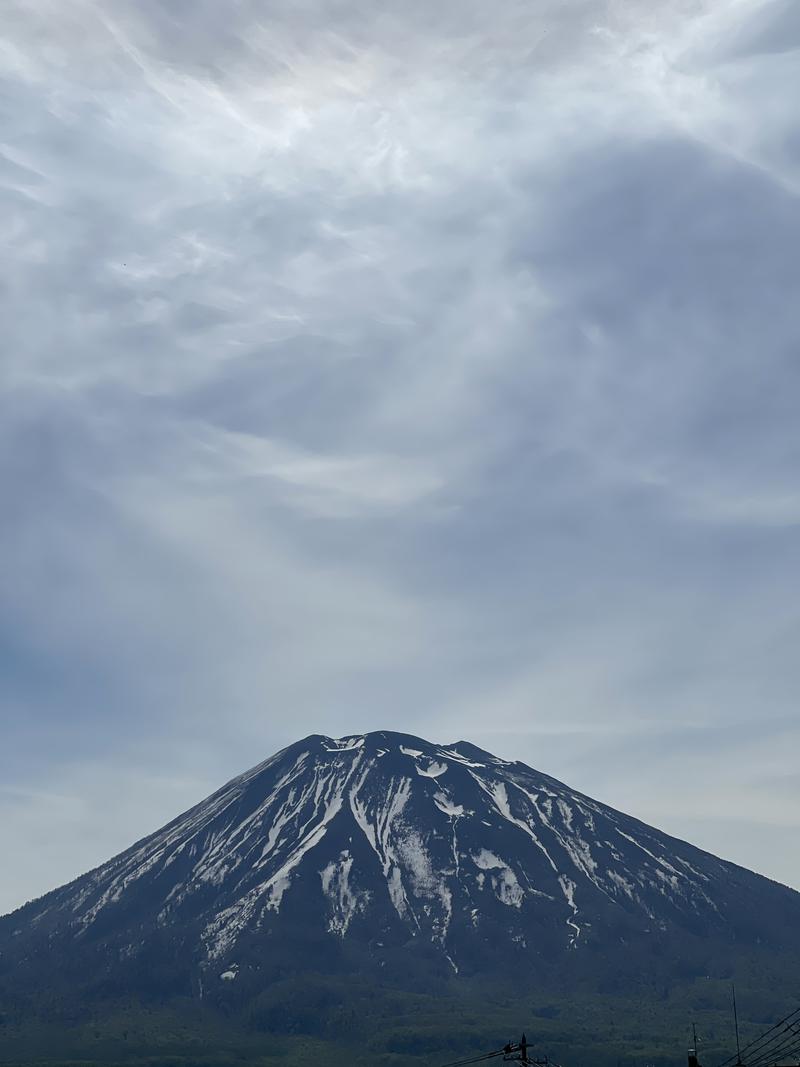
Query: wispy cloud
point(413, 366)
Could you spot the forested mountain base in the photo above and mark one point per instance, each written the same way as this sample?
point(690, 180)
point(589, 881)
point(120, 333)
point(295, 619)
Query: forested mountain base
point(320, 1018)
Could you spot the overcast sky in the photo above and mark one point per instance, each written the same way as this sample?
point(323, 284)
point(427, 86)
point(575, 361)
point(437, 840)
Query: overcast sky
point(404, 365)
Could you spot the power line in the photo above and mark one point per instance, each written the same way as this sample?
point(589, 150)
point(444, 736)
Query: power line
point(736, 1024)
point(752, 1047)
point(781, 1024)
point(792, 1053)
point(788, 1051)
point(758, 1044)
point(778, 1048)
point(787, 1036)
point(476, 1059)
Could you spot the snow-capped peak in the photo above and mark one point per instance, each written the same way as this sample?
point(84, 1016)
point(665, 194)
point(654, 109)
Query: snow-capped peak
point(384, 832)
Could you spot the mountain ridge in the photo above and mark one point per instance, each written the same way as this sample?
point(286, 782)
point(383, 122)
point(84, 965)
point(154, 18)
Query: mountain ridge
point(511, 796)
point(399, 737)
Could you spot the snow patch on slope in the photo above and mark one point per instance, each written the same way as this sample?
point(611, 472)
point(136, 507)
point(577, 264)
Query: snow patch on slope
point(344, 900)
point(344, 744)
point(381, 824)
point(568, 887)
point(446, 805)
point(505, 883)
point(451, 754)
point(434, 770)
point(324, 795)
point(426, 883)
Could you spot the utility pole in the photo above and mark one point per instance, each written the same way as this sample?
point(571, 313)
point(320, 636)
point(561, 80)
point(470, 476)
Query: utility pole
point(516, 1051)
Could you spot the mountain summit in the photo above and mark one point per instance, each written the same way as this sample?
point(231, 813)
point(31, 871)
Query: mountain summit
point(359, 851)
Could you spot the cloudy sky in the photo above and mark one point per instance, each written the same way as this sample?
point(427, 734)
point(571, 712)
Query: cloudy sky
point(429, 367)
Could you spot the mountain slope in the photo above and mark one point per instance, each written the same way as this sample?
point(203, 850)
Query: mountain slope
point(351, 855)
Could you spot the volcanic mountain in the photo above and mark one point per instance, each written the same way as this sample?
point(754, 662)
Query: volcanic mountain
point(357, 853)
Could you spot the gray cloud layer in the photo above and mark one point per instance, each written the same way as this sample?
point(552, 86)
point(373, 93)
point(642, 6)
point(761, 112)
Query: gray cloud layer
point(430, 367)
